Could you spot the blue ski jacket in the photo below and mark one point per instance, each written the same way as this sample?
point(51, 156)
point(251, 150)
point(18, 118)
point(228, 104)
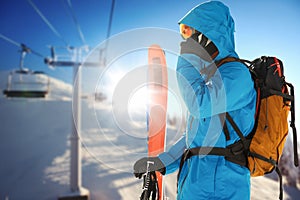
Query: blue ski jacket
point(230, 90)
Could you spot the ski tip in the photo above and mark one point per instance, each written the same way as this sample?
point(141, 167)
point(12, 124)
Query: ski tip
point(155, 51)
point(154, 46)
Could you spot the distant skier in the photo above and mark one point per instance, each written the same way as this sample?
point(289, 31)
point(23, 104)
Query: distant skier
point(208, 30)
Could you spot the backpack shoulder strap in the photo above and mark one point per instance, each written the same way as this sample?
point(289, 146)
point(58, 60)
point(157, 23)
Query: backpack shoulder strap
point(226, 60)
point(210, 70)
point(232, 59)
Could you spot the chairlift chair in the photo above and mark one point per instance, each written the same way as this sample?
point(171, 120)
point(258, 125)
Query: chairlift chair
point(27, 83)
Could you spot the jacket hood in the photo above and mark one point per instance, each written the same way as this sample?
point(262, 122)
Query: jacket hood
point(213, 19)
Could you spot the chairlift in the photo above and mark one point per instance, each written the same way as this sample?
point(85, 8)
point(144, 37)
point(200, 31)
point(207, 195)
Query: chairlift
point(25, 82)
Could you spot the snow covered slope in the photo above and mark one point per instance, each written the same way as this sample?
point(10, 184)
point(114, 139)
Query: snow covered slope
point(34, 151)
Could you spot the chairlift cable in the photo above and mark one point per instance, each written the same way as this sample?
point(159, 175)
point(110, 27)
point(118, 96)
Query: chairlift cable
point(110, 18)
point(76, 22)
point(103, 51)
point(9, 40)
point(23, 46)
point(46, 21)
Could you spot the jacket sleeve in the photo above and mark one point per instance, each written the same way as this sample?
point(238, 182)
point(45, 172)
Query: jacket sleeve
point(171, 158)
point(230, 88)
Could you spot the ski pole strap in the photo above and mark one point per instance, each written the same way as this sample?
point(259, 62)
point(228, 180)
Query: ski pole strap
point(144, 195)
point(150, 187)
point(150, 184)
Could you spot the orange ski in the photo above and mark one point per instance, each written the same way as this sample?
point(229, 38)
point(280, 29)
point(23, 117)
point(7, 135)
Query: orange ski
point(157, 106)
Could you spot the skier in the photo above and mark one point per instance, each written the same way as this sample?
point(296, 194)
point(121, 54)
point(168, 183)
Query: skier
point(208, 30)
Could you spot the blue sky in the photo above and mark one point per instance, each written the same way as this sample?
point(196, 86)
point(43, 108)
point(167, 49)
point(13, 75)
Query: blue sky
point(262, 27)
point(269, 27)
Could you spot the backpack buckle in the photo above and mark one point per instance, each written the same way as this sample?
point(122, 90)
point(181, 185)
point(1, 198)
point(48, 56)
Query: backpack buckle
point(237, 148)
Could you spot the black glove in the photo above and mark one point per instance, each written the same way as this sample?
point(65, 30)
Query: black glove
point(140, 166)
point(203, 48)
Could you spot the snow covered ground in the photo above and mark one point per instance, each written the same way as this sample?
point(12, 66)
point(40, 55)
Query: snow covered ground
point(34, 151)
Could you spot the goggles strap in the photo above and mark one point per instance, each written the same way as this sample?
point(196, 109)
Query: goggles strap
point(206, 43)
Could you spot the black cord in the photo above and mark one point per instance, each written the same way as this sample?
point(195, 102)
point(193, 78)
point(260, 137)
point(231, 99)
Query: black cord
point(23, 46)
point(110, 19)
point(47, 21)
point(72, 13)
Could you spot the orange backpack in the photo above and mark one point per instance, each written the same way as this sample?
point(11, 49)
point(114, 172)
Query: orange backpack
point(261, 150)
point(264, 145)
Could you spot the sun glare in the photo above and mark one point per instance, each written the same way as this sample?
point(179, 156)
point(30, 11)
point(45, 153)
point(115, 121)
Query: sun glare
point(138, 100)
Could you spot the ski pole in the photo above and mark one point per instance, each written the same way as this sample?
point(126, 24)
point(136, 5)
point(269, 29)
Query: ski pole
point(147, 180)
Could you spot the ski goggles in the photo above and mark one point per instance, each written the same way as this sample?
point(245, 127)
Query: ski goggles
point(189, 32)
point(186, 31)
